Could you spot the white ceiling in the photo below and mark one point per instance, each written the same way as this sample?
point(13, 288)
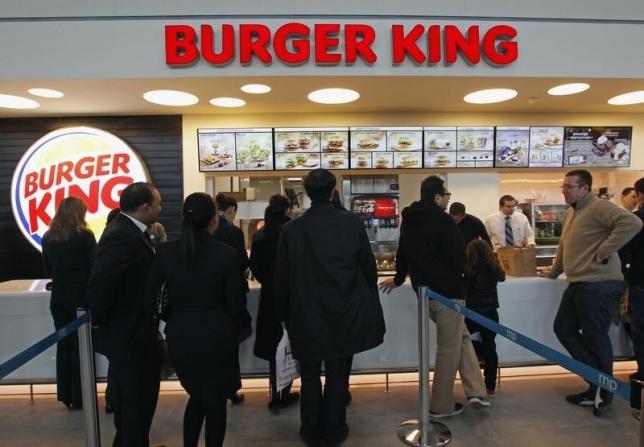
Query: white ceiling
point(378, 94)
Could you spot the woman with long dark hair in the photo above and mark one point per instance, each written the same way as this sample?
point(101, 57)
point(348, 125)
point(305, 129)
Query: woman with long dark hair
point(204, 288)
point(262, 263)
point(483, 272)
point(68, 249)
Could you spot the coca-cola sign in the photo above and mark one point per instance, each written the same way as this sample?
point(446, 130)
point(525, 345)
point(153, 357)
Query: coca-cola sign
point(381, 207)
point(363, 207)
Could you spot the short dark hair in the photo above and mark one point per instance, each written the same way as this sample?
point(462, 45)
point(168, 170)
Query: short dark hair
point(585, 177)
point(626, 191)
point(506, 198)
point(135, 195)
point(431, 186)
point(457, 209)
point(319, 184)
point(639, 186)
point(223, 202)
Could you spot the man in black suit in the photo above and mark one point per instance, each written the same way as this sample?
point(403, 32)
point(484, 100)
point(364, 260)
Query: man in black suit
point(326, 293)
point(126, 329)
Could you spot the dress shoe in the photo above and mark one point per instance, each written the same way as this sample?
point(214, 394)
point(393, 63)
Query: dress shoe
point(236, 398)
point(289, 399)
point(603, 399)
point(585, 399)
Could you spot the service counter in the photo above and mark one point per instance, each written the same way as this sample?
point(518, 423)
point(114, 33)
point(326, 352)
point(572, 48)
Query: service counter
point(527, 305)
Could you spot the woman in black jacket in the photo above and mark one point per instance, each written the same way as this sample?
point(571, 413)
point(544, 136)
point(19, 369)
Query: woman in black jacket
point(204, 288)
point(262, 263)
point(68, 249)
point(483, 272)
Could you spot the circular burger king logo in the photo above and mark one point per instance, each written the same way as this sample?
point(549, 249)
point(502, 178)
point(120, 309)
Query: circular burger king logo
point(82, 162)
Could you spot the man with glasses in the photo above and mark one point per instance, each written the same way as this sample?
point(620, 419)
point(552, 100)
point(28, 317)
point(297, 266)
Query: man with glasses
point(432, 251)
point(593, 231)
point(507, 228)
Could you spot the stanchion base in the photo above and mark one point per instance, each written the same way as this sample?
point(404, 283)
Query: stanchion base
point(409, 434)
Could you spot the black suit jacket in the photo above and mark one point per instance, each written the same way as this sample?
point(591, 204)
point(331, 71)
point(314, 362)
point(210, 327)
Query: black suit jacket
point(116, 290)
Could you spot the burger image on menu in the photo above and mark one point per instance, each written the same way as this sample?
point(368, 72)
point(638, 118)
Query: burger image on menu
point(407, 161)
point(335, 162)
point(382, 162)
point(368, 143)
point(301, 160)
point(292, 145)
point(335, 143)
point(404, 142)
point(361, 161)
point(442, 160)
point(304, 142)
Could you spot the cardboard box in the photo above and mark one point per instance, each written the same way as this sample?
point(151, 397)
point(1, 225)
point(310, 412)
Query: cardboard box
point(518, 261)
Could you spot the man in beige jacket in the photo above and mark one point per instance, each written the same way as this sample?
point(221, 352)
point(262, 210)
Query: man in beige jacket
point(593, 231)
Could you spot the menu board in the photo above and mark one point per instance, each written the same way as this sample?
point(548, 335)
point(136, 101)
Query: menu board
point(475, 147)
point(306, 148)
point(235, 149)
point(546, 147)
point(597, 146)
point(512, 147)
point(440, 147)
point(386, 147)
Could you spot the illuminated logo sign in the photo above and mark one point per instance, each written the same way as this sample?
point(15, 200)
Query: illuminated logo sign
point(82, 162)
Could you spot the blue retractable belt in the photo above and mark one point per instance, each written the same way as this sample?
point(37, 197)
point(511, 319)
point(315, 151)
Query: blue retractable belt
point(592, 375)
point(17, 361)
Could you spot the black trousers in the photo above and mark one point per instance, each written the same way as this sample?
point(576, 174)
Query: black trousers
point(323, 414)
point(68, 382)
point(135, 394)
point(486, 348)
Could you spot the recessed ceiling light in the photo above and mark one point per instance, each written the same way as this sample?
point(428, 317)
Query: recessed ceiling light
point(227, 102)
point(17, 102)
point(170, 98)
point(569, 89)
point(627, 99)
point(333, 96)
point(490, 96)
point(256, 89)
point(46, 93)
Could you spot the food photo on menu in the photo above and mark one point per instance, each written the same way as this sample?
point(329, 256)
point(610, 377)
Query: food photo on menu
point(335, 140)
point(440, 138)
point(475, 147)
point(408, 161)
point(597, 146)
point(546, 147)
point(405, 139)
point(440, 159)
point(297, 161)
point(361, 160)
point(216, 150)
point(297, 140)
point(368, 139)
point(254, 150)
point(512, 145)
point(335, 161)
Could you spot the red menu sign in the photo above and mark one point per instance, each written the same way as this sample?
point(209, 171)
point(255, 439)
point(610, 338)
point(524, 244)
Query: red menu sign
point(380, 208)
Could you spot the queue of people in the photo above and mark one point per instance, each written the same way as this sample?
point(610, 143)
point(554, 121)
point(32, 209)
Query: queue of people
point(319, 283)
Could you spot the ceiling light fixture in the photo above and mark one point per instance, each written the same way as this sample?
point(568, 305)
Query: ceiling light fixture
point(227, 102)
point(17, 102)
point(255, 89)
point(333, 96)
point(170, 98)
point(490, 96)
point(46, 93)
point(627, 99)
point(569, 89)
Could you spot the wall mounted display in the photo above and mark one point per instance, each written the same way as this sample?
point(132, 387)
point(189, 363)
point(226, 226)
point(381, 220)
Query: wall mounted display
point(597, 146)
point(440, 147)
point(475, 147)
point(307, 148)
point(512, 147)
point(386, 147)
point(546, 147)
point(235, 149)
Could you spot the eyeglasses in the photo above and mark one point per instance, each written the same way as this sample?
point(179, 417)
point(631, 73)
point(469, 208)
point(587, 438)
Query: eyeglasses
point(445, 194)
point(568, 187)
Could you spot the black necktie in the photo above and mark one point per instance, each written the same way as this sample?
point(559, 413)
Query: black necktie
point(509, 236)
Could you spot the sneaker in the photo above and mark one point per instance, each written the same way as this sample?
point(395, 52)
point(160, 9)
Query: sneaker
point(458, 409)
point(603, 398)
point(585, 399)
point(478, 401)
point(491, 394)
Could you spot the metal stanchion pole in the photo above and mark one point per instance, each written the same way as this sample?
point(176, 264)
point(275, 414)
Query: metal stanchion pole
point(88, 383)
point(423, 432)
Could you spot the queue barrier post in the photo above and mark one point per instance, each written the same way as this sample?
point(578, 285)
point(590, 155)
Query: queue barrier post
point(423, 432)
point(88, 382)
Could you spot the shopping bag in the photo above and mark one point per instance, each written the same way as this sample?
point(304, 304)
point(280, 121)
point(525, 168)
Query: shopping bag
point(287, 368)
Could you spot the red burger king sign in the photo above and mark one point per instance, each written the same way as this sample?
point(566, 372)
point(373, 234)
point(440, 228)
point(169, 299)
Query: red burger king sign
point(82, 162)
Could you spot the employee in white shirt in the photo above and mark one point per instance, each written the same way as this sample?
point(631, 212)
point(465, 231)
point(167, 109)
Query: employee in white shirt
point(507, 228)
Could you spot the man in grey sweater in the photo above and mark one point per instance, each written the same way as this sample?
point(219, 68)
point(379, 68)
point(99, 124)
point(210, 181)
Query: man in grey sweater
point(593, 231)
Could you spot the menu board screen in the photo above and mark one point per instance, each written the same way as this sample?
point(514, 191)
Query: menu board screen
point(597, 146)
point(386, 147)
point(475, 147)
point(440, 147)
point(512, 145)
point(235, 149)
point(306, 148)
point(546, 147)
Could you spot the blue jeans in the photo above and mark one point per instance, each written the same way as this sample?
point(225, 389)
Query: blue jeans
point(636, 312)
point(589, 308)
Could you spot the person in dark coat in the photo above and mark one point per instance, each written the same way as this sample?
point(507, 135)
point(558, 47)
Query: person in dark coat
point(68, 249)
point(326, 293)
point(471, 227)
point(203, 283)
point(126, 329)
point(269, 330)
point(482, 274)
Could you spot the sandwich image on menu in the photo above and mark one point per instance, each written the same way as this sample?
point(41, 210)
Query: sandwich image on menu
point(216, 150)
point(335, 161)
point(401, 139)
point(295, 140)
point(368, 139)
point(360, 160)
point(335, 140)
point(546, 147)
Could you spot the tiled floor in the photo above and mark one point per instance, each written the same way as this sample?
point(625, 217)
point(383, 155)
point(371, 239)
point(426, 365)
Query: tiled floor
point(527, 413)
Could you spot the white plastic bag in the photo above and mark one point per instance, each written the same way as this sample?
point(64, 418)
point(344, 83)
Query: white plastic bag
point(287, 368)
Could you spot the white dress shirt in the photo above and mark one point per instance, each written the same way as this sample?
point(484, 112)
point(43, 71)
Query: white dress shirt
point(140, 225)
point(521, 230)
